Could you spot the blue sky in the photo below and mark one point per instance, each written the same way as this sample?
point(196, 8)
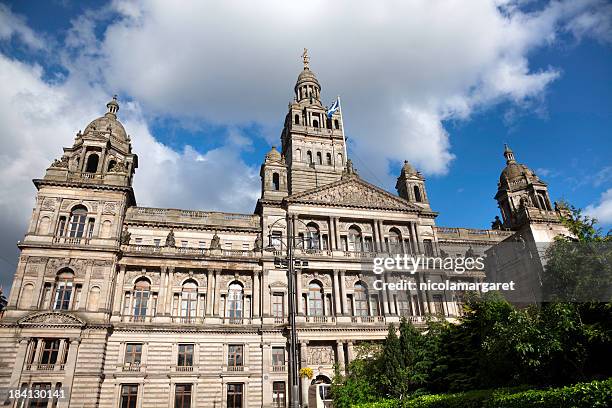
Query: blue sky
point(204, 89)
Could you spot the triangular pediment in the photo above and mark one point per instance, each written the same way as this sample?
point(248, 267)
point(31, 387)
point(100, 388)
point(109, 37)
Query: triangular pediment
point(51, 319)
point(353, 192)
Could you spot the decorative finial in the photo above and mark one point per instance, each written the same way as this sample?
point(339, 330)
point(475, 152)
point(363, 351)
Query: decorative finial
point(306, 58)
point(508, 154)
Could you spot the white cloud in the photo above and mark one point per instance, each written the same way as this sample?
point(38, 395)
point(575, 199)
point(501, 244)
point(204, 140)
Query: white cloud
point(13, 25)
point(602, 211)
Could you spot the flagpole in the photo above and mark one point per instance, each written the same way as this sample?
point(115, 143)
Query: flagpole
point(342, 129)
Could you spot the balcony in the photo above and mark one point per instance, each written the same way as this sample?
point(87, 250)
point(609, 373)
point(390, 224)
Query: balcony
point(182, 369)
point(71, 240)
point(320, 319)
point(188, 252)
point(44, 367)
point(132, 367)
point(187, 320)
point(368, 319)
point(279, 369)
point(236, 320)
point(234, 368)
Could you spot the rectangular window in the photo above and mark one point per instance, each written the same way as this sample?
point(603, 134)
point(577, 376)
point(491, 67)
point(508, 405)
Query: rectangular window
point(374, 305)
point(234, 355)
point(133, 353)
point(276, 238)
point(61, 226)
point(63, 294)
point(417, 305)
point(50, 351)
point(202, 244)
point(367, 244)
point(278, 305)
point(37, 389)
point(185, 355)
point(138, 241)
point(343, 243)
point(278, 394)
point(157, 242)
point(278, 356)
point(234, 395)
point(438, 302)
point(90, 227)
point(182, 396)
point(184, 244)
point(325, 242)
point(129, 395)
point(428, 247)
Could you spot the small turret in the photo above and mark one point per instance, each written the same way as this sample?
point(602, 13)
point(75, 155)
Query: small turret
point(411, 186)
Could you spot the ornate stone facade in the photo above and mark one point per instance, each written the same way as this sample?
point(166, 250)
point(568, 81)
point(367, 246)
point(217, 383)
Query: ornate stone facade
point(157, 302)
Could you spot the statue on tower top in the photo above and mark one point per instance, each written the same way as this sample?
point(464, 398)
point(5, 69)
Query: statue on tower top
point(306, 58)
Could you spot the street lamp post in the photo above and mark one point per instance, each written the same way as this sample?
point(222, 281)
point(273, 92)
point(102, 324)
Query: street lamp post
point(294, 376)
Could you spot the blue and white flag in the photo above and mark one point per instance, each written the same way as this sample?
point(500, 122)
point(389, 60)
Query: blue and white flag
point(332, 109)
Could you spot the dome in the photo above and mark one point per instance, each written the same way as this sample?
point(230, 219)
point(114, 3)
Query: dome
point(407, 168)
point(307, 76)
point(273, 155)
point(108, 122)
point(514, 171)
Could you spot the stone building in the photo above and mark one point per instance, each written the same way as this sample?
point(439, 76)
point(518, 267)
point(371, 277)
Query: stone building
point(128, 306)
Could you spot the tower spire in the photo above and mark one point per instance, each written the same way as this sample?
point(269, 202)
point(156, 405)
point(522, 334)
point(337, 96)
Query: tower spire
point(113, 107)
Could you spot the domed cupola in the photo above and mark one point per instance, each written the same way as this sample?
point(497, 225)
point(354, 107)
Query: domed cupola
point(307, 86)
point(515, 174)
point(108, 125)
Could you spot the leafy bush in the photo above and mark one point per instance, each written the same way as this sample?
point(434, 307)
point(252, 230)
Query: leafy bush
point(596, 394)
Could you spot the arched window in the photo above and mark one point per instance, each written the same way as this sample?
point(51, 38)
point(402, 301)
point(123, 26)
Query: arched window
point(361, 299)
point(298, 154)
point(64, 284)
point(93, 299)
point(78, 217)
point(315, 299)
point(309, 157)
point(92, 163)
point(142, 293)
point(111, 165)
point(340, 162)
point(336, 124)
point(276, 181)
point(328, 159)
point(319, 158)
point(313, 238)
point(25, 300)
point(395, 241)
point(315, 123)
point(105, 231)
point(189, 299)
point(417, 194)
point(354, 239)
point(235, 297)
point(296, 119)
point(43, 225)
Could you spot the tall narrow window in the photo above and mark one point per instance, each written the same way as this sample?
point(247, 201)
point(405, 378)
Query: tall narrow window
point(142, 292)
point(428, 247)
point(328, 159)
point(189, 299)
point(336, 124)
point(234, 395)
point(38, 390)
point(61, 227)
point(395, 242)
point(276, 181)
point(63, 290)
point(78, 216)
point(319, 158)
point(129, 395)
point(313, 238)
point(182, 396)
point(185, 355)
point(92, 163)
point(315, 299)
point(315, 123)
point(235, 302)
point(234, 355)
point(374, 305)
point(309, 157)
point(296, 119)
point(278, 305)
point(361, 300)
point(417, 194)
point(354, 239)
point(438, 302)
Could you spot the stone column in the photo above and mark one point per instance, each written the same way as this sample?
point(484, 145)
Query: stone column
point(376, 236)
point(60, 354)
point(69, 368)
point(340, 352)
point(333, 245)
point(350, 351)
point(169, 292)
point(209, 292)
point(337, 233)
point(119, 280)
point(415, 238)
point(381, 232)
point(298, 290)
point(85, 288)
point(265, 288)
point(217, 292)
point(256, 293)
point(163, 285)
point(337, 303)
point(343, 292)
